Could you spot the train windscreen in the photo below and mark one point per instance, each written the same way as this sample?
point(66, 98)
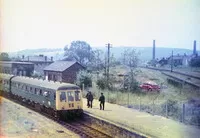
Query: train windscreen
point(77, 96)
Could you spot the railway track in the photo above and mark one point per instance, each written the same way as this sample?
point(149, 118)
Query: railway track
point(189, 78)
point(77, 126)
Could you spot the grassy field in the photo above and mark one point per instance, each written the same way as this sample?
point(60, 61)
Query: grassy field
point(152, 102)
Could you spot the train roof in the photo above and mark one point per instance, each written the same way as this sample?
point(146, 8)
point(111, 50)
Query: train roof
point(41, 83)
point(6, 76)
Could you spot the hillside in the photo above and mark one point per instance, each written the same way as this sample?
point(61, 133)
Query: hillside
point(145, 52)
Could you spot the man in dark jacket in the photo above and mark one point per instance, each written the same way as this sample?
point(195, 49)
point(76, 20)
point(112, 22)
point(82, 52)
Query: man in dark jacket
point(102, 101)
point(89, 97)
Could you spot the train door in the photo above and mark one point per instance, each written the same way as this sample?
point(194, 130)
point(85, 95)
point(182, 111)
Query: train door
point(78, 99)
point(70, 98)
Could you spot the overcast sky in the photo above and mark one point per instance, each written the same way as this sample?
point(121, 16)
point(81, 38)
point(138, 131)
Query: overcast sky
point(28, 24)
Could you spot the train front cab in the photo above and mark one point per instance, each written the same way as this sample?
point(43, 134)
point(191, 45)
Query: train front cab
point(69, 103)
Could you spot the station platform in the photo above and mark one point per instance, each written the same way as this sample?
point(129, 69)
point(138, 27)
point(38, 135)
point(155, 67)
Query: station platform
point(142, 122)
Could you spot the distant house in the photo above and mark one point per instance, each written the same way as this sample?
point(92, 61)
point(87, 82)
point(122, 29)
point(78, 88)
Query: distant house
point(63, 71)
point(17, 68)
point(39, 61)
point(163, 61)
point(180, 60)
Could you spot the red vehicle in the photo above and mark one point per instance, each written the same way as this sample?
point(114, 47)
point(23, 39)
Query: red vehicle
point(150, 86)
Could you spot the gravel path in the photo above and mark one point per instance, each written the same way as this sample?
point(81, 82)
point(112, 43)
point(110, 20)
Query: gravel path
point(17, 121)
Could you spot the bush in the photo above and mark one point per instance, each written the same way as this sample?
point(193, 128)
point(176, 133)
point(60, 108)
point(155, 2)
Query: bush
point(83, 77)
point(101, 83)
point(173, 109)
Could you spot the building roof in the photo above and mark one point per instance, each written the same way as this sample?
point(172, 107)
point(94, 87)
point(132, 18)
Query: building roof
point(60, 66)
point(36, 58)
point(9, 63)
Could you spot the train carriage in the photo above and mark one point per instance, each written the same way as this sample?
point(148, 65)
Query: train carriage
point(59, 99)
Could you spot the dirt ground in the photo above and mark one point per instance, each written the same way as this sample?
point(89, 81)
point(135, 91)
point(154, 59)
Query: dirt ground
point(17, 121)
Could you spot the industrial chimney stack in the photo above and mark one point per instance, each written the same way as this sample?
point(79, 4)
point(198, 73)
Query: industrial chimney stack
point(194, 49)
point(154, 49)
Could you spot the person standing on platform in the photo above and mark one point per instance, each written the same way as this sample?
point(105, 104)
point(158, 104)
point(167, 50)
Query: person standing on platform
point(102, 101)
point(88, 101)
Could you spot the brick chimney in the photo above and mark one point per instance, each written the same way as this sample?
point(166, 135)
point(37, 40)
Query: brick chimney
point(194, 48)
point(154, 49)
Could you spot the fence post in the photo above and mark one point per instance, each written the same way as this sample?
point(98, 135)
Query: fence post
point(166, 113)
point(183, 113)
point(153, 108)
point(83, 87)
point(128, 99)
point(140, 103)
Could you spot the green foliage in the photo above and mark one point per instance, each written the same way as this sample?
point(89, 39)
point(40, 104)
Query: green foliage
point(4, 57)
point(172, 108)
point(80, 51)
point(96, 62)
point(130, 57)
point(83, 77)
point(101, 83)
point(36, 75)
point(130, 83)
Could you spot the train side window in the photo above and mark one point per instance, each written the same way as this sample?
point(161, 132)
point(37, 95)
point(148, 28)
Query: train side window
point(26, 88)
point(35, 90)
point(40, 91)
point(54, 96)
point(77, 96)
point(70, 96)
point(22, 86)
point(46, 93)
point(63, 96)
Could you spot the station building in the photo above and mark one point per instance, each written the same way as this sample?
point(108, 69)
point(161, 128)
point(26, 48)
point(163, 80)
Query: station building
point(63, 71)
point(17, 68)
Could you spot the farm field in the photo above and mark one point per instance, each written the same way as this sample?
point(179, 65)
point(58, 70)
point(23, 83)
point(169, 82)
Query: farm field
point(17, 121)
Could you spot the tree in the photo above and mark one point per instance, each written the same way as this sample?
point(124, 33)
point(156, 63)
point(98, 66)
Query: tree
point(4, 56)
point(96, 62)
point(130, 57)
point(79, 51)
point(83, 77)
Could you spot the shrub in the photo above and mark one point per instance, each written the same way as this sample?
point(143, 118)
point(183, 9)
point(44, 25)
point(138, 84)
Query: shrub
point(172, 108)
point(101, 83)
point(83, 77)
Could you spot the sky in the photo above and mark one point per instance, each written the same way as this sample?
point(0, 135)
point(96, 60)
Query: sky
point(32, 24)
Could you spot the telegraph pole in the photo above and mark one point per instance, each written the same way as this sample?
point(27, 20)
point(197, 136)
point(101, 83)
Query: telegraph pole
point(108, 62)
point(108, 65)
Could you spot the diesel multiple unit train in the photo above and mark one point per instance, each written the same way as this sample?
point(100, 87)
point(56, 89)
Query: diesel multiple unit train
point(57, 99)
